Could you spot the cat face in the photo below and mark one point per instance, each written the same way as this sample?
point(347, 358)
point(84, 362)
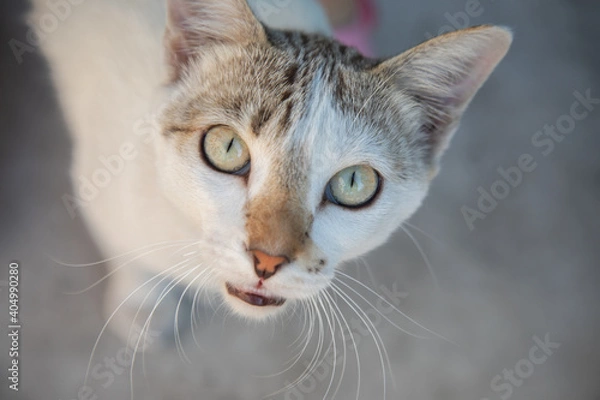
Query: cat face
point(292, 153)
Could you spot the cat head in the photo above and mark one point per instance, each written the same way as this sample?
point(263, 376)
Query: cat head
point(292, 153)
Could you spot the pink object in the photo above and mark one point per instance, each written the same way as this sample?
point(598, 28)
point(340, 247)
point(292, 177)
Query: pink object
point(358, 34)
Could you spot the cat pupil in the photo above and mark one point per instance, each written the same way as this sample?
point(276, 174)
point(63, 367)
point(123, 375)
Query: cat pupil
point(352, 181)
point(230, 144)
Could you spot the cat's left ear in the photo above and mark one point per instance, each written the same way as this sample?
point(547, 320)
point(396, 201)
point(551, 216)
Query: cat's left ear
point(193, 25)
point(442, 75)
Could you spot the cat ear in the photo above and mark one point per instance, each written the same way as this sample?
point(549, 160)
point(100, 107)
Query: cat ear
point(194, 24)
point(443, 74)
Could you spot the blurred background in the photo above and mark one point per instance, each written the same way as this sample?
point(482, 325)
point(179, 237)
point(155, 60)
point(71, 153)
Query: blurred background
point(517, 280)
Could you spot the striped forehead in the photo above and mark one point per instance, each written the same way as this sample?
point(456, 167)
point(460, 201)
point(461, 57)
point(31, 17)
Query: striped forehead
point(263, 84)
point(277, 93)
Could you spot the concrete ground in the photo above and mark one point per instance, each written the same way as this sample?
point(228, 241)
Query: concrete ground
point(518, 293)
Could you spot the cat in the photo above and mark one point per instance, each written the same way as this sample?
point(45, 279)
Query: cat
point(251, 159)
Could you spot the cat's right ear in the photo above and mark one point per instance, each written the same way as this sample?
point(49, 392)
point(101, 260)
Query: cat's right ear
point(192, 25)
point(442, 75)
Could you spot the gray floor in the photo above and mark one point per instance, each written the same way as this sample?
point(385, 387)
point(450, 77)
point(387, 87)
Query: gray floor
point(530, 268)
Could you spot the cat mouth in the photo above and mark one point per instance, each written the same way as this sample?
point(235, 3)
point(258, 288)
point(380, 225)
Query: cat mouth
point(253, 298)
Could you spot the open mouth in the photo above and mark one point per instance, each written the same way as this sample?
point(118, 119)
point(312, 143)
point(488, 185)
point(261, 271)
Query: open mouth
point(254, 299)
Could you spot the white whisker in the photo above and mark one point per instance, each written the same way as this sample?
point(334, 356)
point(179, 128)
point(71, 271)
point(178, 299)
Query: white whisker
point(294, 359)
point(178, 343)
point(146, 325)
point(424, 233)
point(118, 256)
point(201, 287)
point(113, 314)
point(425, 258)
point(179, 266)
point(332, 330)
point(312, 311)
point(351, 304)
point(396, 309)
point(330, 302)
point(117, 269)
point(380, 313)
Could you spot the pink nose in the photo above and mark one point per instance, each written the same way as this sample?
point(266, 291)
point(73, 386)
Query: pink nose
point(266, 265)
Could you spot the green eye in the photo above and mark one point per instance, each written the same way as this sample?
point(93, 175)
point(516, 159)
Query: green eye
point(225, 151)
point(353, 187)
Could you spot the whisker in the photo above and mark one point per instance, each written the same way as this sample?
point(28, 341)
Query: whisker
point(335, 315)
point(309, 334)
point(321, 341)
point(146, 325)
point(201, 287)
point(113, 314)
point(114, 257)
point(380, 313)
point(385, 353)
point(332, 330)
point(425, 258)
point(313, 311)
point(179, 266)
point(424, 233)
point(178, 342)
point(294, 359)
point(351, 304)
point(304, 324)
point(317, 359)
point(164, 292)
point(368, 269)
point(396, 309)
point(144, 331)
point(356, 354)
point(115, 270)
point(206, 272)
